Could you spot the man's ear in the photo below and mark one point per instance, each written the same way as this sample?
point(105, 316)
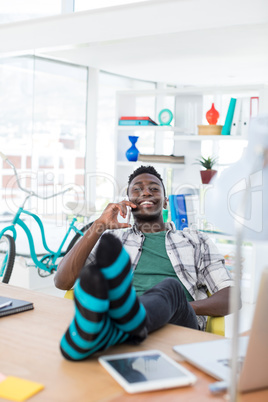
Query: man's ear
point(165, 203)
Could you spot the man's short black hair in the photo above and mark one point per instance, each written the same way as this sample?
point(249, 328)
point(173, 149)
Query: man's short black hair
point(145, 169)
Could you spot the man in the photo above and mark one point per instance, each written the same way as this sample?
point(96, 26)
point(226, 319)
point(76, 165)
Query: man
point(173, 270)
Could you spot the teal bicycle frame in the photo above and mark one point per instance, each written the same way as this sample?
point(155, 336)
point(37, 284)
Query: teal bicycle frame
point(51, 256)
point(48, 261)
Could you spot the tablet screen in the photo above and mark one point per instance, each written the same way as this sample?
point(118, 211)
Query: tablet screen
point(145, 368)
point(144, 371)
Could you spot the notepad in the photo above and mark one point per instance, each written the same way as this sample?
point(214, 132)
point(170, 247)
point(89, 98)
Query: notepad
point(17, 306)
point(17, 389)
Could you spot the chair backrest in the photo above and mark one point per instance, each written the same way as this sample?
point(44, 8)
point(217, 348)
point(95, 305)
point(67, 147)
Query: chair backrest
point(215, 325)
point(69, 294)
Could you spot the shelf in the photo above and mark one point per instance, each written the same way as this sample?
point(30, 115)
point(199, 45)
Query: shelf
point(149, 128)
point(208, 138)
point(182, 137)
point(187, 137)
point(139, 163)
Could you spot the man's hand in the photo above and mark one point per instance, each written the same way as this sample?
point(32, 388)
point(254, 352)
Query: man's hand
point(108, 219)
point(70, 266)
point(215, 305)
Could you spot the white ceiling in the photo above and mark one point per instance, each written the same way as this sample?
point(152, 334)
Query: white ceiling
point(224, 56)
point(180, 42)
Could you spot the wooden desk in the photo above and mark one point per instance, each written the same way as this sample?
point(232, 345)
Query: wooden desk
point(29, 348)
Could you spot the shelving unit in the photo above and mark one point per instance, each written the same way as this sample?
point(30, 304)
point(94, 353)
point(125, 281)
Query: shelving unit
point(188, 107)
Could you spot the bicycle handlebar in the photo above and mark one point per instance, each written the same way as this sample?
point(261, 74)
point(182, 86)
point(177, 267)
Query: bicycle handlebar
point(30, 192)
point(52, 195)
point(3, 156)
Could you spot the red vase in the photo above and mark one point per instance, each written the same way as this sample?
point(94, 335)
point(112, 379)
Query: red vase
point(212, 115)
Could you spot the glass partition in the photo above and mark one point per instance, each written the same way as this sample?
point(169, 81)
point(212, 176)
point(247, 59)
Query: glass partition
point(42, 131)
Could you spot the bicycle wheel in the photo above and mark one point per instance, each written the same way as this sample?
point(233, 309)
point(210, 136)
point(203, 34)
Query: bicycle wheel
point(7, 257)
point(77, 236)
point(47, 260)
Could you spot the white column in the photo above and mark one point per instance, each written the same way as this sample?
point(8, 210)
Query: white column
point(67, 6)
point(263, 107)
point(91, 135)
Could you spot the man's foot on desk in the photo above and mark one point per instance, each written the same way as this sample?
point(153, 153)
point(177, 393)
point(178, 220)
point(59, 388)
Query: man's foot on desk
point(107, 311)
point(127, 313)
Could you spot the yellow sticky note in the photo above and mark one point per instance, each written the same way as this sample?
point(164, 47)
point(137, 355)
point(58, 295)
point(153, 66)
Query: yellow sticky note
point(18, 389)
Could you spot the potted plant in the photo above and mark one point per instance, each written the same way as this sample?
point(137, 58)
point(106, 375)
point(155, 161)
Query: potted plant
point(207, 163)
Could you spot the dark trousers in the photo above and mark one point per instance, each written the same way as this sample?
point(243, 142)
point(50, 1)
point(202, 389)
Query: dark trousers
point(166, 303)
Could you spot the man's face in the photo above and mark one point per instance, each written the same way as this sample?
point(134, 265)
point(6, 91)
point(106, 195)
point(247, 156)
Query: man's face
point(147, 192)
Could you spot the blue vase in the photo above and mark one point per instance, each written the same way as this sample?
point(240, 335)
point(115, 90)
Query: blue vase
point(132, 153)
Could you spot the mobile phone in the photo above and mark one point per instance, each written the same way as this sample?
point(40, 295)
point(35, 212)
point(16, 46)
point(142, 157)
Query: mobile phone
point(127, 218)
point(146, 371)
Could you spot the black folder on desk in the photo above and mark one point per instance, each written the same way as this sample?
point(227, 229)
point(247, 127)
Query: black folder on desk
point(15, 306)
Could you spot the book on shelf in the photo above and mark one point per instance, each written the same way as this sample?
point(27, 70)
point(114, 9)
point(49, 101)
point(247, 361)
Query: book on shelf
point(136, 121)
point(161, 158)
point(226, 129)
point(9, 305)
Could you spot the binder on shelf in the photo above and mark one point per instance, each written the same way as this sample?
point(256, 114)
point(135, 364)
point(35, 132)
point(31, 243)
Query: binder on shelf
point(190, 211)
point(226, 129)
point(245, 116)
point(245, 108)
point(182, 210)
point(237, 119)
point(161, 158)
point(178, 211)
point(254, 106)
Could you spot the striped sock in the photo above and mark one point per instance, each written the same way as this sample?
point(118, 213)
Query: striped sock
point(91, 329)
point(127, 313)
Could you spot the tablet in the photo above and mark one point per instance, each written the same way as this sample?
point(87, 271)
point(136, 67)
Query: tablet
point(146, 371)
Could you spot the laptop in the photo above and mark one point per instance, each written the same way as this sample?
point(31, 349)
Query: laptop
point(214, 357)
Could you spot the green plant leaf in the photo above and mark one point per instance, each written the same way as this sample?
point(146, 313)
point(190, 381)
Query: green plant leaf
point(207, 163)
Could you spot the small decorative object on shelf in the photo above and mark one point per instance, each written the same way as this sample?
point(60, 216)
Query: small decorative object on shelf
point(132, 153)
point(212, 115)
point(165, 117)
point(211, 129)
point(207, 163)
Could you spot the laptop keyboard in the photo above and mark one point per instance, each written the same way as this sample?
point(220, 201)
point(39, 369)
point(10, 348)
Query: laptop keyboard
point(228, 362)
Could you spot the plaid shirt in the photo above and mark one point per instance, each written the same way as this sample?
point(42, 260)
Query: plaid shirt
point(194, 257)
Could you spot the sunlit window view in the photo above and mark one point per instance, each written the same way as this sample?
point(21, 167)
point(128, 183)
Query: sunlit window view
point(82, 5)
point(42, 132)
point(17, 10)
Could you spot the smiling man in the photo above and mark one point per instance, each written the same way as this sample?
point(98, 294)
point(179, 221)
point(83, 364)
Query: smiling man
point(131, 282)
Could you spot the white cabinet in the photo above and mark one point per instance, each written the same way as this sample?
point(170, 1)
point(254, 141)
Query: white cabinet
point(189, 106)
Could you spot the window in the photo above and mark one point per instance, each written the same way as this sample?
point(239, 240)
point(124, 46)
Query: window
point(18, 10)
point(82, 5)
point(42, 131)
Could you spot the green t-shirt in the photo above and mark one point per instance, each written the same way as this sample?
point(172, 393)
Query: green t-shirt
point(154, 264)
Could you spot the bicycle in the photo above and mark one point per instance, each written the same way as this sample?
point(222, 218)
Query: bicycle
point(46, 263)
